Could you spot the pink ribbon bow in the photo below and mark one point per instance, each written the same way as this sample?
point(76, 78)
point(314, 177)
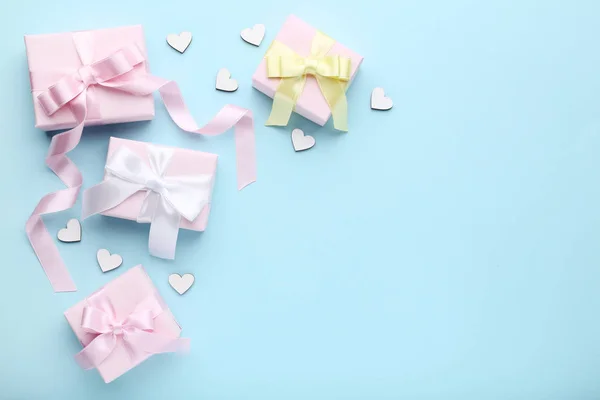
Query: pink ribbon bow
point(135, 332)
point(100, 73)
point(122, 70)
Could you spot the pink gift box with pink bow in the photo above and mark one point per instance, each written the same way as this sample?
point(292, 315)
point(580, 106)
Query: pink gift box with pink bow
point(122, 324)
point(168, 187)
point(298, 36)
point(53, 56)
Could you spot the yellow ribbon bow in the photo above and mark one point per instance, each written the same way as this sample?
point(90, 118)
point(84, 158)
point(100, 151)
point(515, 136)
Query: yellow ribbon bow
point(332, 73)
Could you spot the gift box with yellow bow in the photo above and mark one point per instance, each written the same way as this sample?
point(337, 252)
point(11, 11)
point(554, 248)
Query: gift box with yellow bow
point(308, 72)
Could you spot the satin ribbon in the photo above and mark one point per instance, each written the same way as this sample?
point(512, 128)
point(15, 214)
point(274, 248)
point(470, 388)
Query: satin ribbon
point(135, 332)
point(331, 72)
point(168, 198)
point(123, 71)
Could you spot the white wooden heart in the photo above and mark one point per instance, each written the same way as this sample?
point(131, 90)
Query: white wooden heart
point(225, 82)
point(108, 261)
point(180, 42)
point(379, 101)
point(72, 233)
point(181, 284)
point(300, 141)
point(254, 35)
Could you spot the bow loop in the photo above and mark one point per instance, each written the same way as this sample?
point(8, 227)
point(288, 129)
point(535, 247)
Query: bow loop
point(142, 320)
point(334, 67)
point(95, 320)
point(182, 188)
point(118, 64)
point(337, 67)
point(61, 93)
point(128, 166)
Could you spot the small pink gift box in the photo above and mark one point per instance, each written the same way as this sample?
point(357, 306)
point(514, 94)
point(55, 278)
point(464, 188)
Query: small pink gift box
point(298, 36)
point(52, 56)
point(184, 162)
point(168, 187)
point(124, 297)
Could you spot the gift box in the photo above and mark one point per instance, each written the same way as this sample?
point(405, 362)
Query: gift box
point(168, 187)
point(52, 57)
point(299, 42)
point(122, 324)
point(184, 162)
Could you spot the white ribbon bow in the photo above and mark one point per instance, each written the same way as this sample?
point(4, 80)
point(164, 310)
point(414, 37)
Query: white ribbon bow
point(168, 198)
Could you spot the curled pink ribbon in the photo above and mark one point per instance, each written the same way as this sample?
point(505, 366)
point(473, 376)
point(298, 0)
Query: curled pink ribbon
point(119, 71)
point(135, 332)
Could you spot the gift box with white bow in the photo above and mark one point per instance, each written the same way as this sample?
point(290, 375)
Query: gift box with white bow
point(122, 324)
point(308, 72)
point(170, 188)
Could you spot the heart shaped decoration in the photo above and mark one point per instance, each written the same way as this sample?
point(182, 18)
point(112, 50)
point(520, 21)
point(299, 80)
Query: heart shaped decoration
point(379, 101)
point(108, 261)
point(301, 141)
point(180, 42)
point(72, 233)
point(181, 284)
point(224, 81)
point(254, 35)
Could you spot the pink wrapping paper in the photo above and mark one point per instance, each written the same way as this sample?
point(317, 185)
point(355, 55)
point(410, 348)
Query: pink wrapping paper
point(298, 35)
point(52, 56)
point(125, 292)
point(184, 162)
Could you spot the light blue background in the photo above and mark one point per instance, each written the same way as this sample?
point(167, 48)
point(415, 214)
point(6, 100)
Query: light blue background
point(447, 249)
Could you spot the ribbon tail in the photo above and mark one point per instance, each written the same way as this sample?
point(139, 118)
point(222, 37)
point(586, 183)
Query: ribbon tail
point(335, 95)
point(106, 195)
point(228, 117)
point(96, 352)
point(284, 101)
point(164, 230)
point(41, 241)
point(141, 343)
